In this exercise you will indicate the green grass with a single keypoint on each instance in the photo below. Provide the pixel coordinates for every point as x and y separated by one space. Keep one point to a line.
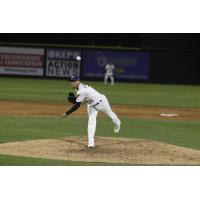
29 128
122 93
25 161
181 133
178 132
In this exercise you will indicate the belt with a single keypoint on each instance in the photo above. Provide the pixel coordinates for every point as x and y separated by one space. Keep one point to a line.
96 104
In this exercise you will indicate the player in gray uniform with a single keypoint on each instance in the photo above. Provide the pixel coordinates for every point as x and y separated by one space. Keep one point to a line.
95 102
109 73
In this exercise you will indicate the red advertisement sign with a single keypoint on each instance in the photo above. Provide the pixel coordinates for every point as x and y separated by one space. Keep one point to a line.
21 61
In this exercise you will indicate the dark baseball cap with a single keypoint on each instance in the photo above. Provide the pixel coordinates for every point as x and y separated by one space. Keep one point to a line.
74 78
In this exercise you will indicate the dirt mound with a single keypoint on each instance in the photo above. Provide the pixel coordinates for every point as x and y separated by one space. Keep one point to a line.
110 150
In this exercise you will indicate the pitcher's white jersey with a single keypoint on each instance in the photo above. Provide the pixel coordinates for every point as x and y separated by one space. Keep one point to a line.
88 94
109 69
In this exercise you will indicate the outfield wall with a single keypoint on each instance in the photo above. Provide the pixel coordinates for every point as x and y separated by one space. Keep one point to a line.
60 62
132 65
180 67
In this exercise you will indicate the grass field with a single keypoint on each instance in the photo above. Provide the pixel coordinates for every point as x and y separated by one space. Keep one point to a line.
122 93
183 133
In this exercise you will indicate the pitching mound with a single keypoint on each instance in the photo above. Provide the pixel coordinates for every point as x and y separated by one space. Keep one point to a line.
110 150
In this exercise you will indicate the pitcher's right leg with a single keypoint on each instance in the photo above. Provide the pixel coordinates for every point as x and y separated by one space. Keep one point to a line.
107 109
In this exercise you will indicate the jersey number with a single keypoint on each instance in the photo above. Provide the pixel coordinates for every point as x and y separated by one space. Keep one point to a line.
90 101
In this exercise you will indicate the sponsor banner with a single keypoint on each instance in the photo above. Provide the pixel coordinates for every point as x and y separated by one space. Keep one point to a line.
21 61
128 65
62 62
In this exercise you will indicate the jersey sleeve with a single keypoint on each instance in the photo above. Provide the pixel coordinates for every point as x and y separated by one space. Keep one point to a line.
80 96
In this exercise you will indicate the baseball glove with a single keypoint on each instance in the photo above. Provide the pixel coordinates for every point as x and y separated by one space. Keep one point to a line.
71 97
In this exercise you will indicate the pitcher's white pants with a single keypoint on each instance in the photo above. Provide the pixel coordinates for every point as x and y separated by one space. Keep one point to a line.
103 106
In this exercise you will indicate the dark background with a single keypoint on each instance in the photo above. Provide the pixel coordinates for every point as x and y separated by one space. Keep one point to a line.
175 58
171 41
130 40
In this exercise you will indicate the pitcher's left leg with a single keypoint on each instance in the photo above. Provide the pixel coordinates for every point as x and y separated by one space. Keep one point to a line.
92 115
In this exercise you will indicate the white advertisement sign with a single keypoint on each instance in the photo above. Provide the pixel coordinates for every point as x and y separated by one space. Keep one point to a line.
62 62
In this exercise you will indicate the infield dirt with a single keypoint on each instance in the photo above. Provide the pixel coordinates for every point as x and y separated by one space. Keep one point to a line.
14 108
108 150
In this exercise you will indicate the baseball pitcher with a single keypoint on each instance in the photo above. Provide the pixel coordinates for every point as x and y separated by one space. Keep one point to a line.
95 102
109 73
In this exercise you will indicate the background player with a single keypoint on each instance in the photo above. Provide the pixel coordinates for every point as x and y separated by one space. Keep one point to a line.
109 73
95 102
